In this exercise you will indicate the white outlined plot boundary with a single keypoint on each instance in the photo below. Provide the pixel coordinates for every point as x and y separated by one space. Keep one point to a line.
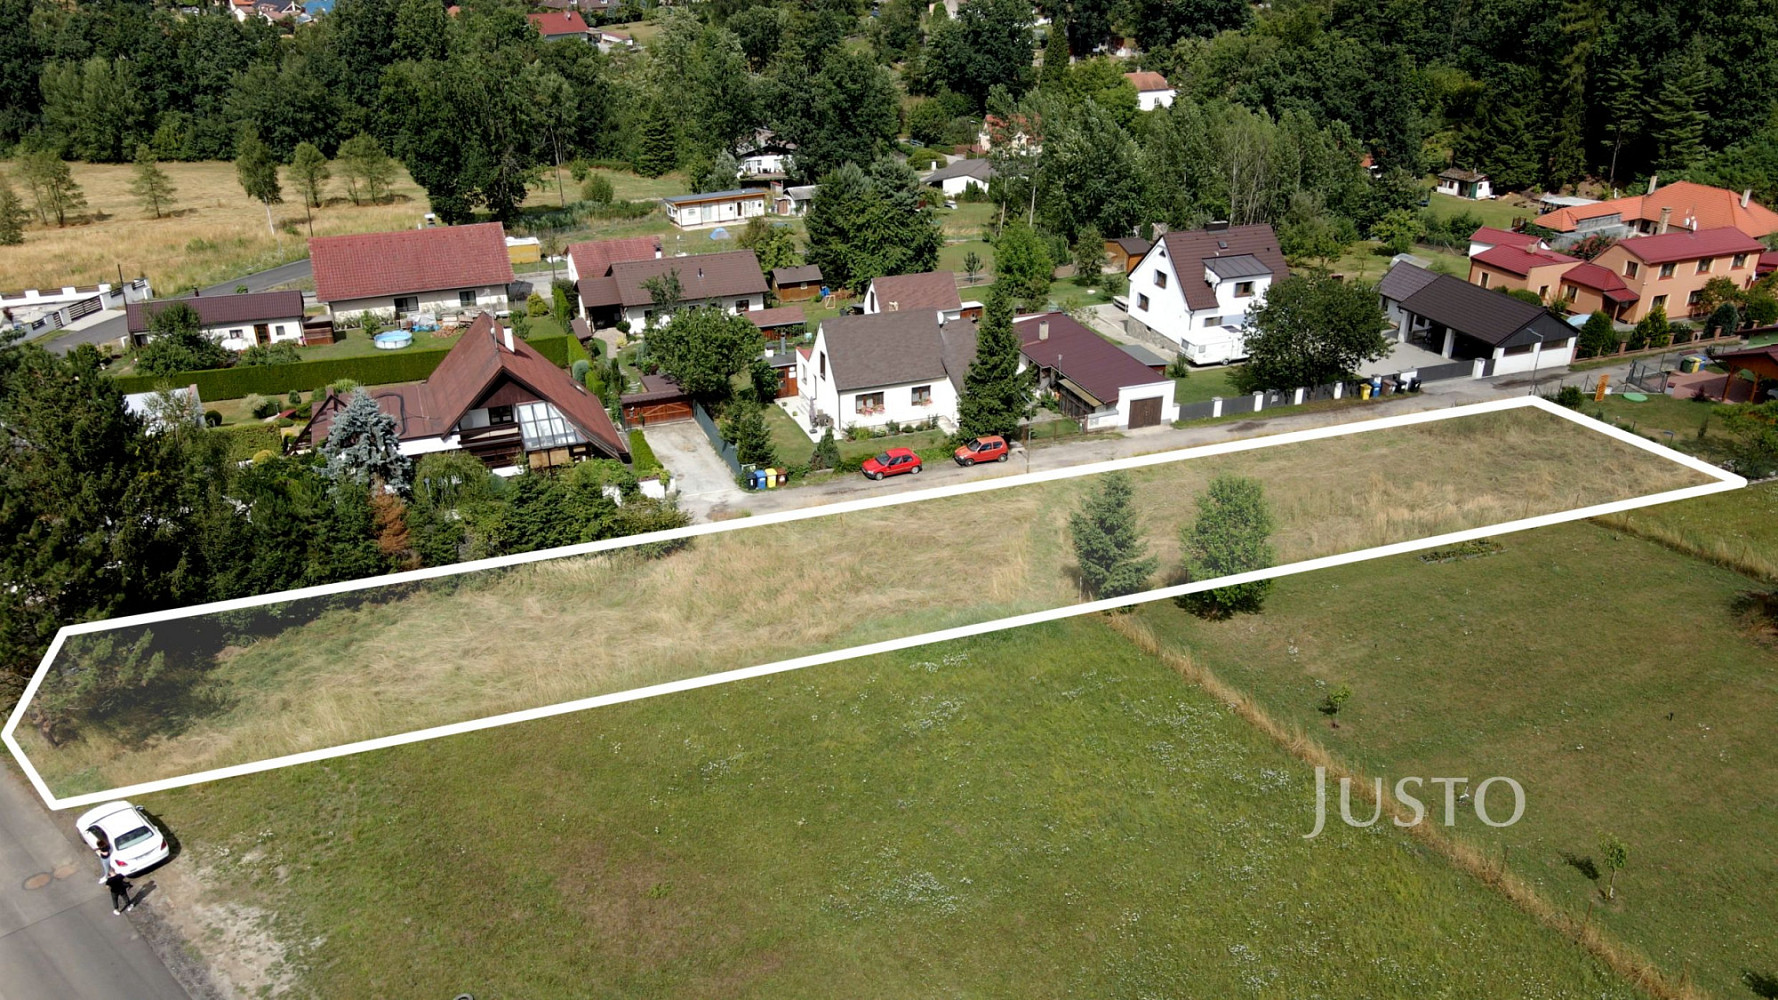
1721 481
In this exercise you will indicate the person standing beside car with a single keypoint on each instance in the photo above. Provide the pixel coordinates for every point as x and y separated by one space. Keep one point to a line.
120 894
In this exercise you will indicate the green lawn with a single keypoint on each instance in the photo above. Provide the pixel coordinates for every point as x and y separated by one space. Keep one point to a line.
1497 212
1040 813
1738 530
1362 262
1204 384
1614 678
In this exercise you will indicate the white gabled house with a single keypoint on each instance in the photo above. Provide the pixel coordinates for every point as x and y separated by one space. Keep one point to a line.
868 371
237 322
439 270
1194 289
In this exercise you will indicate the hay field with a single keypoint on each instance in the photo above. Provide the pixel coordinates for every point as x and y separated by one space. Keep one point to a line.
215 232
574 628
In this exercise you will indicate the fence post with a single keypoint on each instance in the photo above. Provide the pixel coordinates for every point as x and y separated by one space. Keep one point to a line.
1478 366
1259 401
1338 389
1216 406
1299 396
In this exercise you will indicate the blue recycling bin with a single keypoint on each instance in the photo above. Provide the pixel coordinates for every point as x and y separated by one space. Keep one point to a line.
758 477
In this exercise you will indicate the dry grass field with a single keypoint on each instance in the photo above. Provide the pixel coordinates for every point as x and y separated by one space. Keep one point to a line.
215 231
574 628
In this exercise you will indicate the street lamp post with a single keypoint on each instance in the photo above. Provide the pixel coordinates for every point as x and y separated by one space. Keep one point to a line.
1536 359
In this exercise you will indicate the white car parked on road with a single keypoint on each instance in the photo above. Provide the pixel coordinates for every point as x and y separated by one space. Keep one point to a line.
123 836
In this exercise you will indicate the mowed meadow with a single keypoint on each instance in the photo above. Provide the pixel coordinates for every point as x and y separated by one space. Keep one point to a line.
1045 812
1626 684
572 628
213 231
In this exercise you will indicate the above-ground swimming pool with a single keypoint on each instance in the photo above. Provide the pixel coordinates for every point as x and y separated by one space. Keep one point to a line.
393 340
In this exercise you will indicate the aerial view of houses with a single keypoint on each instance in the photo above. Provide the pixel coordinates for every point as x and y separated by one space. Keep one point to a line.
617 498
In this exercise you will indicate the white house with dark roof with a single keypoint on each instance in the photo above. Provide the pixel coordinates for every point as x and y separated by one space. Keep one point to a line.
959 176
730 281
1194 289
868 371
1096 382
237 322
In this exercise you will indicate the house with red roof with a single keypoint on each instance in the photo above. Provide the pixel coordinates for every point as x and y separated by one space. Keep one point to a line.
1589 288
1489 237
930 291
443 271
496 398
1670 270
1528 269
1152 90
556 25
1680 205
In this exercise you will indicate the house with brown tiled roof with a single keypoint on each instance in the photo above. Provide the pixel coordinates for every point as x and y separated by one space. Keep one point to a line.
932 291
1152 90
556 25
237 322
1095 381
1193 289
439 270
730 281
1680 205
593 259
1461 183
495 397
890 367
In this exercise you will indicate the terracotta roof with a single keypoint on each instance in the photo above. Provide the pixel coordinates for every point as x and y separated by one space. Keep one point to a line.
373 265
478 364
1768 262
927 290
1503 238
1520 262
1693 206
1082 356
701 276
1189 250
781 316
221 310
1491 317
1683 245
594 259
558 23
782 276
895 348
1146 80
1603 280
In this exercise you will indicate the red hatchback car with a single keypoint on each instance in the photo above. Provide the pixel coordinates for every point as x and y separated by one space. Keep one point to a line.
893 462
989 448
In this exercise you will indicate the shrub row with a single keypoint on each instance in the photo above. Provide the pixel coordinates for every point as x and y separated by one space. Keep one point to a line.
642 458
250 439
277 380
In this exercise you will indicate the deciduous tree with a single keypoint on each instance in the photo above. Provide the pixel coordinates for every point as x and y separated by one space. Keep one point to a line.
703 349
1312 330
12 215
1231 534
151 185
52 186
368 170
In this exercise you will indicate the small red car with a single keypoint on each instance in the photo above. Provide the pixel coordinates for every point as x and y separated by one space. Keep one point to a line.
990 448
893 462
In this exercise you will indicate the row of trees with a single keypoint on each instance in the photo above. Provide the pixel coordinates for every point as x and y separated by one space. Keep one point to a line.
1231 534
105 513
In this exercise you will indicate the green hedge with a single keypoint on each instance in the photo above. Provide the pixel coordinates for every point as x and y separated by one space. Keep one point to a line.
278 380
250 439
642 456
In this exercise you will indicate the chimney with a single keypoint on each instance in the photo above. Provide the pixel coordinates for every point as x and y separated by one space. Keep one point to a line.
1746 196
1654 181
1043 329
506 335
1666 214
1217 226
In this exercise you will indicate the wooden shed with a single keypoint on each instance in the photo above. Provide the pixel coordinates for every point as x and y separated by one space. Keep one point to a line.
660 401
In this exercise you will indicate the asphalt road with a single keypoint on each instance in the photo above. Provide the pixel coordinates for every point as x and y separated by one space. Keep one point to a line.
60 938
113 329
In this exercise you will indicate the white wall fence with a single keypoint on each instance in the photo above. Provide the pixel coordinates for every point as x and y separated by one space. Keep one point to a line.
56 308
1271 399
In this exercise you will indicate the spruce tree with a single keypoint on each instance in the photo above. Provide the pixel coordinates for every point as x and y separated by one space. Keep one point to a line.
363 445
1677 118
1108 544
1598 337
151 185
827 452
996 394
1232 534
745 428
12 215
657 143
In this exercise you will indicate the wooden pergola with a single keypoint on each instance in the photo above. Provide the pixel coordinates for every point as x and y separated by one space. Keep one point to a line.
1761 362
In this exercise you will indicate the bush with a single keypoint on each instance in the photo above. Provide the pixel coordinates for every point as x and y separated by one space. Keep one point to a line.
295 398
623 326
258 406
248 440
597 189
1569 396
580 369
270 354
642 458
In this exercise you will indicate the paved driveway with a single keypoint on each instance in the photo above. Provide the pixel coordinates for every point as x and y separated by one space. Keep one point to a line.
58 937
114 329
703 479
